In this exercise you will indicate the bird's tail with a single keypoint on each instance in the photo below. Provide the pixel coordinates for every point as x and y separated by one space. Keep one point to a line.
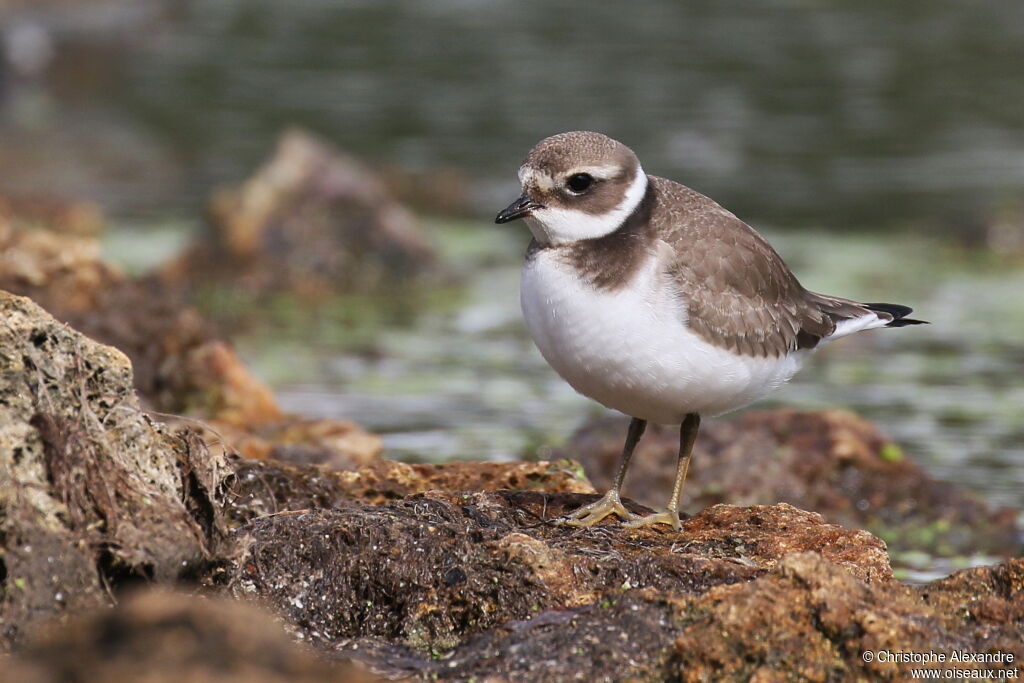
853 316
897 312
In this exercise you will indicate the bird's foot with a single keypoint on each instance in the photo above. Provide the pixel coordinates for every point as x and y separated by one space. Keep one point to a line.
591 514
670 517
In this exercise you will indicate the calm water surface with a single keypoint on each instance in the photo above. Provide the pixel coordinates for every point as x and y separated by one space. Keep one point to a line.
850 113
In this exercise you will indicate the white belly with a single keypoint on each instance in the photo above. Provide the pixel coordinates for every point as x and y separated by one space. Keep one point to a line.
631 350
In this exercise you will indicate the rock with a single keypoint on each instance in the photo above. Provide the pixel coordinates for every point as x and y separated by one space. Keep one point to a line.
340 444
181 365
60 264
1004 232
811 621
998 228
806 619
627 636
477 585
311 221
84 219
267 487
163 637
831 462
431 570
440 572
93 493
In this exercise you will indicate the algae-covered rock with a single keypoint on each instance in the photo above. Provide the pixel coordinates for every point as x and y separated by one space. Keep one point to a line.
163 637
807 619
432 569
832 462
92 493
481 585
263 487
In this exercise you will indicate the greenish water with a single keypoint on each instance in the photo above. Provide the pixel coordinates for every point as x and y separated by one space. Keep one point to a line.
850 113
461 378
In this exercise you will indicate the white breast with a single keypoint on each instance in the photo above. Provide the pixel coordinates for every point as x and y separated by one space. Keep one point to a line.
630 349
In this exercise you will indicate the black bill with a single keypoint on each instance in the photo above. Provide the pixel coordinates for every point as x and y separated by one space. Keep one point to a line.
517 209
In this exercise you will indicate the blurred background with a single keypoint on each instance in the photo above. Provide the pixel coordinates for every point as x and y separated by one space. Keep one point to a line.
880 146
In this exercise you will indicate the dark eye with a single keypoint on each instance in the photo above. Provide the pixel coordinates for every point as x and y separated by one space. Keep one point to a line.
580 182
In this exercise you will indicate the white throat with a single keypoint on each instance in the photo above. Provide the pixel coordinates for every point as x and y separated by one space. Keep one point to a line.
563 226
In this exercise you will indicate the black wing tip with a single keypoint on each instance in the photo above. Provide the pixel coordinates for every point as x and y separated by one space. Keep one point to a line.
899 314
903 322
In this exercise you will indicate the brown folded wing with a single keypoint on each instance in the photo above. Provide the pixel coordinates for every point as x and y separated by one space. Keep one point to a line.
740 295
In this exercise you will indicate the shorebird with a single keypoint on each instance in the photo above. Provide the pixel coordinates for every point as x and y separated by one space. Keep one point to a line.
653 300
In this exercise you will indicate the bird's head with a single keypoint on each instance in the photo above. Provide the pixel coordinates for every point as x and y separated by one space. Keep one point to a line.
577 186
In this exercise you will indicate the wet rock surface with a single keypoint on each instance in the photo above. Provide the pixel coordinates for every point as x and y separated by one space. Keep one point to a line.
806 619
475 585
832 462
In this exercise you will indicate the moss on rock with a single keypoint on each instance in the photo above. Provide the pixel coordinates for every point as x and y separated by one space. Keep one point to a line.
91 491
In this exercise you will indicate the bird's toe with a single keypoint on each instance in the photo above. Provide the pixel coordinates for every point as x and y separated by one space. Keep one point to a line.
591 514
670 517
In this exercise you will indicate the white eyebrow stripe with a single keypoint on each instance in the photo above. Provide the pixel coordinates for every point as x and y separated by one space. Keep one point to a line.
531 176
601 172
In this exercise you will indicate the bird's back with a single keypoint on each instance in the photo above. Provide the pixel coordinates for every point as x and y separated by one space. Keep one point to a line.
740 295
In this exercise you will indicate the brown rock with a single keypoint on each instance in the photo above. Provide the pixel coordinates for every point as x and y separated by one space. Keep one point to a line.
831 462
990 595
808 620
92 492
805 620
311 221
430 570
339 444
479 586
84 219
268 487
57 265
181 365
161 637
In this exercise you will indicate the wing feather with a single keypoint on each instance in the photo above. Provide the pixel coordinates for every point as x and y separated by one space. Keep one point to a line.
739 293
